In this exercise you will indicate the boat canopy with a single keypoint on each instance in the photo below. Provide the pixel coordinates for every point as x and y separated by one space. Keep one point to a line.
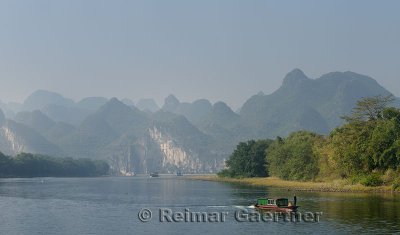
273 201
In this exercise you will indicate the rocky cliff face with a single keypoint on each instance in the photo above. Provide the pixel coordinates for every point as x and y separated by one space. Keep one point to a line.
135 156
10 142
16 138
174 156
159 151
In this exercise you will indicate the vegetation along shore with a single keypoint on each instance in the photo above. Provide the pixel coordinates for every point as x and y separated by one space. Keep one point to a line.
361 155
37 165
338 185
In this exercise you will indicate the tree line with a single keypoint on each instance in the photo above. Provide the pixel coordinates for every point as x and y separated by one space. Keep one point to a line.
36 165
366 149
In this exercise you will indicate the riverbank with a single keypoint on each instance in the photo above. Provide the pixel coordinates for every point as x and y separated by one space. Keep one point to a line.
333 186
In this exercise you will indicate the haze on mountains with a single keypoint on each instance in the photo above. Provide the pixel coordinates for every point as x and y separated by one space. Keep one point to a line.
187 137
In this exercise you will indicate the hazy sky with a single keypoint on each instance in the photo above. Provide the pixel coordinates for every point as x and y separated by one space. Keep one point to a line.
218 49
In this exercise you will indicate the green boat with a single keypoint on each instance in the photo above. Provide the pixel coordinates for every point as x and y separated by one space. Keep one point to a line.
281 204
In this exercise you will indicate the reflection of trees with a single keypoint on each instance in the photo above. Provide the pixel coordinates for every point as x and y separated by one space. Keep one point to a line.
366 210
362 209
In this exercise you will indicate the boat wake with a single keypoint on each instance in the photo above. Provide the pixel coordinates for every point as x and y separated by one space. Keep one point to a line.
234 206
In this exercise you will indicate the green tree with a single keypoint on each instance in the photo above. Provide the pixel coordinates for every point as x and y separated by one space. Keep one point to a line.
293 158
365 143
369 108
247 160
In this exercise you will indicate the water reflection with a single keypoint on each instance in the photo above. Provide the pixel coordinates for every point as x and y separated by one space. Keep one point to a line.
110 205
362 211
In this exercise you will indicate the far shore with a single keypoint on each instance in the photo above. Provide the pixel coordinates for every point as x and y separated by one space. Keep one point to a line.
333 186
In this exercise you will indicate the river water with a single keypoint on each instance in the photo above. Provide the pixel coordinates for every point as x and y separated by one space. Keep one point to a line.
110 205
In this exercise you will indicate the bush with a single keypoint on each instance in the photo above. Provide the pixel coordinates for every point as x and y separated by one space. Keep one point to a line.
353 180
224 173
389 176
396 184
372 180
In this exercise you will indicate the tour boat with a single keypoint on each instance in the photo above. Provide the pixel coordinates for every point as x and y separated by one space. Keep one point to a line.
154 174
281 204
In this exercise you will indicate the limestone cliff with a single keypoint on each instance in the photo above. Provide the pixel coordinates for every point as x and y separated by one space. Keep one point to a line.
16 138
159 151
176 156
10 143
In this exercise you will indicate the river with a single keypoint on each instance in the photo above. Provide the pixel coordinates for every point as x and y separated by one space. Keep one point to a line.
110 205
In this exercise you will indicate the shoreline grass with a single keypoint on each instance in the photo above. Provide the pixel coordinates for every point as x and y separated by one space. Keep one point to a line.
332 186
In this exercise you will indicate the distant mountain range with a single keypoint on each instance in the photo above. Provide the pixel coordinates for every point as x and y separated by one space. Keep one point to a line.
188 137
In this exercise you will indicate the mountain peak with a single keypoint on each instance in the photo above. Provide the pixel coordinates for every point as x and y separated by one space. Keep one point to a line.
347 76
294 76
112 106
118 116
113 103
41 98
171 103
114 100
221 105
204 102
219 115
222 109
171 99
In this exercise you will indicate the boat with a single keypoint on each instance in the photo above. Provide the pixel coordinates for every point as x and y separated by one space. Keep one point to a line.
154 174
130 174
179 173
280 204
